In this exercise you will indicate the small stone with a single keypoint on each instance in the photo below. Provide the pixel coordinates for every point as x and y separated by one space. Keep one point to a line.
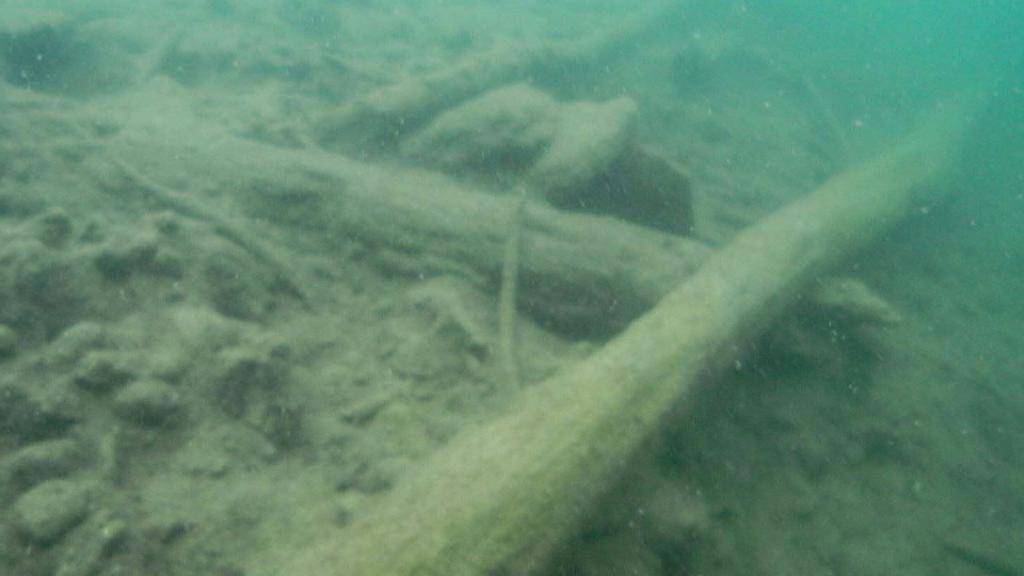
503 130
93 232
8 341
348 506
101 371
85 551
117 263
36 414
45 513
283 425
589 139
74 342
622 553
852 300
113 264
42 461
167 264
44 280
53 228
230 278
166 223
148 402
381 475
247 372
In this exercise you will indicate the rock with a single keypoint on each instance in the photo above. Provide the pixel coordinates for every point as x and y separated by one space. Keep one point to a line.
117 263
675 519
148 402
36 414
381 475
53 228
693 68
282 424
222 447
589 138
169 362
232 285
42 461
50 290
504 130
61 55
26 18
167 263
639 186
206 54
8 341
855 302
594 165
579 156
251 385
247 376
349 504
74 342
101 371
668 516
366 407
166 223
45 513
437 336
85 551
623 554
841 321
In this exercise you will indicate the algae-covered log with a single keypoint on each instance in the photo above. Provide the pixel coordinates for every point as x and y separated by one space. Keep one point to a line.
578 272
506 491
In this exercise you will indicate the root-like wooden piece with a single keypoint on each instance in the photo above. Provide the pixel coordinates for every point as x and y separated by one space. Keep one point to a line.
508 295
160 196
508 489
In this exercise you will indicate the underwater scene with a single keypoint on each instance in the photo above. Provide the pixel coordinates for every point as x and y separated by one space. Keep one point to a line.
511 288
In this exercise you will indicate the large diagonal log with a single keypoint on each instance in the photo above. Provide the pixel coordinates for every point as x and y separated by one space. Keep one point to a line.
506 490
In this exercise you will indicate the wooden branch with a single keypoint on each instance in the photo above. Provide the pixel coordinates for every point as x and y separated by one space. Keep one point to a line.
377 120
508 296
579 273
507 490
157 195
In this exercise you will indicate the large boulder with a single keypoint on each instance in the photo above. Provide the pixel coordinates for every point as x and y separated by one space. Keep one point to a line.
505 130
579 156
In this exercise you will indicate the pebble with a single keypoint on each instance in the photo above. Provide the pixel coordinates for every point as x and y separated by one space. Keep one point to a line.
76 341
8 341
101 371
34 414
348 506
85 551
54 228
117 263
42 461
148 402
169 264
45 513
